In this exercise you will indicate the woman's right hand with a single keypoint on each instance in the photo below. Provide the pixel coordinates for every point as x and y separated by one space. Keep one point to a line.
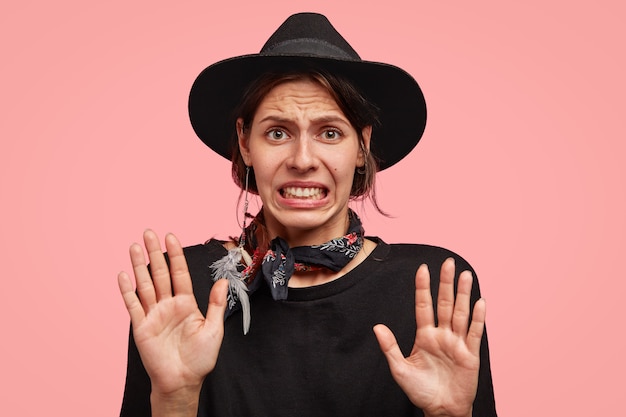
177 344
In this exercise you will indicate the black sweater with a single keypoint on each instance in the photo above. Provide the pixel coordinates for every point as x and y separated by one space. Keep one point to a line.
315 354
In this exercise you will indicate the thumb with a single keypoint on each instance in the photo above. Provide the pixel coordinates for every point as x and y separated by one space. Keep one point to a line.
389 346
217 305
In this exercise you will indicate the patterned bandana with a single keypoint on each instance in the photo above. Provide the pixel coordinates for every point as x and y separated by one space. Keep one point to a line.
278 264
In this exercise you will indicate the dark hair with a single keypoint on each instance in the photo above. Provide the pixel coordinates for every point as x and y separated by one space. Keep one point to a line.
358 110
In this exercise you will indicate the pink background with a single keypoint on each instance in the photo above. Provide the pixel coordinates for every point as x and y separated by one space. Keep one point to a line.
521 171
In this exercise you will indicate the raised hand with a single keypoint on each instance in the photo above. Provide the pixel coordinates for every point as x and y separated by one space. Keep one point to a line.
440 376
177 345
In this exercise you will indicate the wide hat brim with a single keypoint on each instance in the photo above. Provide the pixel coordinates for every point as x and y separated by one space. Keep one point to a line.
218 90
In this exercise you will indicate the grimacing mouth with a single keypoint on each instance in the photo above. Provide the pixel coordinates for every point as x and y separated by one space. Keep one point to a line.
314 193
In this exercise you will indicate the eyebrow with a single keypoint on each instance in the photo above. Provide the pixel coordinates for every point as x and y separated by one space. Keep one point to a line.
316 120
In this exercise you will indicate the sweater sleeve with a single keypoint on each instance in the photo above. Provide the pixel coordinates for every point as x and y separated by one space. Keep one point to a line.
136 400
484 403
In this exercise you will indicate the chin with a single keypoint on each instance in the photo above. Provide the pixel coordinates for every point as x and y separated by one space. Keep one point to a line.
320 224
302 219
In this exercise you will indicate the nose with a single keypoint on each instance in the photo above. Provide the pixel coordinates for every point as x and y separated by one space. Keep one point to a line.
303 157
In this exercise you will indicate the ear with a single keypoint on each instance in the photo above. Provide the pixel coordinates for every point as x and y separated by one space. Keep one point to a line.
366 133
243 142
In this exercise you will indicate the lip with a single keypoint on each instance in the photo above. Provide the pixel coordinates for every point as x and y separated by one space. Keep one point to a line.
301 202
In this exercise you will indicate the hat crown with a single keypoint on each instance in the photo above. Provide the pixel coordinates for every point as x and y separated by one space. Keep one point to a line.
309 34
309 41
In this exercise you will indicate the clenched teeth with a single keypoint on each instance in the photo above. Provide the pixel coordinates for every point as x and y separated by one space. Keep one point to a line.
299 192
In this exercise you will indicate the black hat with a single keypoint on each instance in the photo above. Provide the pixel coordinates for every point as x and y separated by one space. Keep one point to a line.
310 39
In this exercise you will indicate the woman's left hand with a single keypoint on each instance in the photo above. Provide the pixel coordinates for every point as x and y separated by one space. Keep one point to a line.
440 376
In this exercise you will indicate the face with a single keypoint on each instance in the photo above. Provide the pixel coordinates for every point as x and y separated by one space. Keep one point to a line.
304 152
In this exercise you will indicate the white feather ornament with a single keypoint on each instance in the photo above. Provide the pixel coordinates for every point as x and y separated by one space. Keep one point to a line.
229 268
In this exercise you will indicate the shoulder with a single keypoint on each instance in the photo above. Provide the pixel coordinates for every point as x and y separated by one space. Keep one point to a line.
406 257
428 254
201 253
199 259
417 254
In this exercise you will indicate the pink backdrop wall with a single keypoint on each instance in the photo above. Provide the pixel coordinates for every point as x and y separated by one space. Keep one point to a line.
521 171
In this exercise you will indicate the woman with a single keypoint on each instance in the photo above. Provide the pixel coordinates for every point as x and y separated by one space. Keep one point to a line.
313 125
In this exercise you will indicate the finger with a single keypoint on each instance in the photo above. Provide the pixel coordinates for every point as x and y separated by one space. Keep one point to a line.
445 299
158 267
133 305
181 280
477 327
460 317
424 315
389 347
145 287
217 305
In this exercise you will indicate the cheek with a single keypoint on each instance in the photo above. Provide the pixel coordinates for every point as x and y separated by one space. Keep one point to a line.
344 163
264 173
343 173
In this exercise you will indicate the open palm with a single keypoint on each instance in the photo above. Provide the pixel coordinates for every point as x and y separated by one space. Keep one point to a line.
178 346
440 375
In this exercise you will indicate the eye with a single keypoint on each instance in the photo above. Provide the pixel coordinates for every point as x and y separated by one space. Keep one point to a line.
276 134
331 134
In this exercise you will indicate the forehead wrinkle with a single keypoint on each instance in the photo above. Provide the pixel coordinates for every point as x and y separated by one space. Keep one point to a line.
313 115
292 102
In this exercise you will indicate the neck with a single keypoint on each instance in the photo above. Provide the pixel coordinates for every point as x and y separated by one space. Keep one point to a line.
295 236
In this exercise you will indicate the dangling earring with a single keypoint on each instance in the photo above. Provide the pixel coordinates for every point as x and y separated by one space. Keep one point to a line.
242 239
361 170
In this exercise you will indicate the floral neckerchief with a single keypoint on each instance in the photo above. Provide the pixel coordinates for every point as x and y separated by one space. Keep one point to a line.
279 262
